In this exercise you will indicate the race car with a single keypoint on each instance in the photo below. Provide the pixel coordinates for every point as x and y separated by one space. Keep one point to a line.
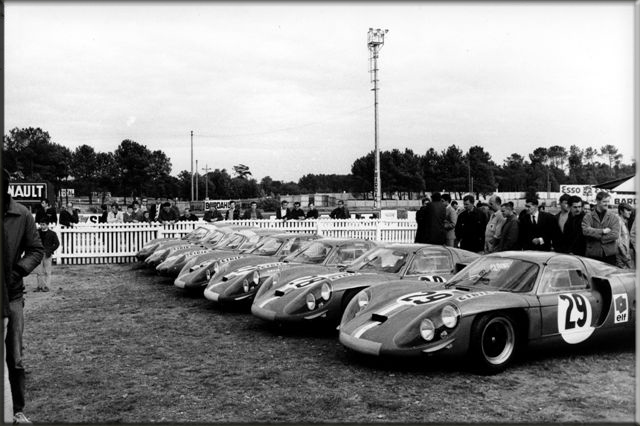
493 308
271 249
201 233
319 256
243 241
324 296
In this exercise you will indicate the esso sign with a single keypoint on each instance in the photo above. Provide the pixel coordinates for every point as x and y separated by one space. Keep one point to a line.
586 192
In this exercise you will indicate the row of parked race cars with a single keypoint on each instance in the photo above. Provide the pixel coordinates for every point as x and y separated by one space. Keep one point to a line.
392 299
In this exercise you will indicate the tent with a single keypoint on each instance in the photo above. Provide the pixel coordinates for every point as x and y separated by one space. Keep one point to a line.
625 185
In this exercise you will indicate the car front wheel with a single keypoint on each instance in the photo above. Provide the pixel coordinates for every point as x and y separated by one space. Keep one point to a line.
493 343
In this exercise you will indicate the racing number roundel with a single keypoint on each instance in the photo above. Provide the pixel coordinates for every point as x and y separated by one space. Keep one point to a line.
574 318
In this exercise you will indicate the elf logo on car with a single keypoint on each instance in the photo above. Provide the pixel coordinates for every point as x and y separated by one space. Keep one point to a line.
621 308
229 259
424 297
473 295
574 318
337 276
255 267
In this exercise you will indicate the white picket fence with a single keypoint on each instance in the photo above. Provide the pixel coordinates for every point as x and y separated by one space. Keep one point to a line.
88 243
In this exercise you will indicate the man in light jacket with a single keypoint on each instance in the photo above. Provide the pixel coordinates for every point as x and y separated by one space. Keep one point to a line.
601 229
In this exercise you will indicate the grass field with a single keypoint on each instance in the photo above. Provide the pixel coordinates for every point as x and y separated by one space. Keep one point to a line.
112 343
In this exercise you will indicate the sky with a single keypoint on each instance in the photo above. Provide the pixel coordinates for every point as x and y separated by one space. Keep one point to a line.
285 88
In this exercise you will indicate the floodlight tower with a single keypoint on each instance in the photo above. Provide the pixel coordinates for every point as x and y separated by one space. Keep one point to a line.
375 41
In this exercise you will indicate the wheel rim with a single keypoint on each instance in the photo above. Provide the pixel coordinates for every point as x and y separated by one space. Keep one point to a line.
498 340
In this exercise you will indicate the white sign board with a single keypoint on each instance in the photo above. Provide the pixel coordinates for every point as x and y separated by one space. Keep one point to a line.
586 192
388 214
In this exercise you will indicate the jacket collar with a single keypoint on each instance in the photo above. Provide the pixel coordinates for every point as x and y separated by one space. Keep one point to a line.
10 205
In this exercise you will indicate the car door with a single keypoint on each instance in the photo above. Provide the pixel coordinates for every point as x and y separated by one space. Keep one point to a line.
569 307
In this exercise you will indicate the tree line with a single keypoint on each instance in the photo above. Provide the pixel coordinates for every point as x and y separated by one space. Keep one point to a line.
134 170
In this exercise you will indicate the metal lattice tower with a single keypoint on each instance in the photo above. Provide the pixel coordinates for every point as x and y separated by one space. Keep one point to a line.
375 41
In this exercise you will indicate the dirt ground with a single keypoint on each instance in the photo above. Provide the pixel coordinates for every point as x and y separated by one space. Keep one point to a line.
113 343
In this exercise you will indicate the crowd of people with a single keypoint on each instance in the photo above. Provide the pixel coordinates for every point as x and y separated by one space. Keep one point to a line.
578 228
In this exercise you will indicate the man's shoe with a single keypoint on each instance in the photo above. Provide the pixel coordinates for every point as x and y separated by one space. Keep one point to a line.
19 417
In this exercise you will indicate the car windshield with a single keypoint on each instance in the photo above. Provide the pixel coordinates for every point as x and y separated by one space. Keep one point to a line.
233 242
315 252
347 253
267 247
197 233
381 259
497 273
214 237
250 242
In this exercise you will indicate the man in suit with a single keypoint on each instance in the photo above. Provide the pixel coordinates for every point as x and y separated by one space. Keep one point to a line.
562 217
284 212
233 213
538 230
510 229
432 221
471 226
572 234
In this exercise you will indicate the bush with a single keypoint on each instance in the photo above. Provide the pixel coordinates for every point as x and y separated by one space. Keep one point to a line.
268 204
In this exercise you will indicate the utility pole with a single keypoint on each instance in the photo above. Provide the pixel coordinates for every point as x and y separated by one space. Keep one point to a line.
197 180
206 181
192 165
375 41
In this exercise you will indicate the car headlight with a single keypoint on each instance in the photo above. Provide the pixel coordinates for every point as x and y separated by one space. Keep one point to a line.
427 329
311 301
362 299
256 277
450 315
245 285
325 291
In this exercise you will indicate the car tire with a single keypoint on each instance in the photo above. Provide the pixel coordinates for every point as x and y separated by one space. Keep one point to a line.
494 340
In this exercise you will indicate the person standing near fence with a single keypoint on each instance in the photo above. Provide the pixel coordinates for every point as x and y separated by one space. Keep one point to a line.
601 230
284 212
450 220
340 212
623 256
114 216
432 220
312 212
297 213
21 254
421 232
212 215
509 239
233 213
69 216
253 212
493 230
572 234
46 213
539 230
188 216
154 210
51 243
167 215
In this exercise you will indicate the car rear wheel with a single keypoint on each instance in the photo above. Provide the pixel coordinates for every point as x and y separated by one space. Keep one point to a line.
493 343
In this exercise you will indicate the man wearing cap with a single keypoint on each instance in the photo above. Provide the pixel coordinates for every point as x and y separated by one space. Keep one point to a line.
51 243
22 253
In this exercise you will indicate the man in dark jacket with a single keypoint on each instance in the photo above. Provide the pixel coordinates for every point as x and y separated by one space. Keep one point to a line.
212 215
46 213
252 212
284 212
22 253
233 213
421 232
188 216
340 212
51 243
538 230
471 226
572 234
167 215
433 221
312 213
510 229
69 216
297 212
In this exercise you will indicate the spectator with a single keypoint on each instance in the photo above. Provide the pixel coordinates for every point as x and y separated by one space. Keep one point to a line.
632 240
253 212
22 253
471 226
623 255
450 221
188 216
50 242
484 208
562 216
455 206
492 233
538 229
46 213
105 214
421 231
542 207
433 217
601 229
297 213
167 215
69 216
146 217
144 207
212 215
115 215
232 213
340 212
128 216
154 210
509 239
174 207
312 213
284 212
137 212
572 235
